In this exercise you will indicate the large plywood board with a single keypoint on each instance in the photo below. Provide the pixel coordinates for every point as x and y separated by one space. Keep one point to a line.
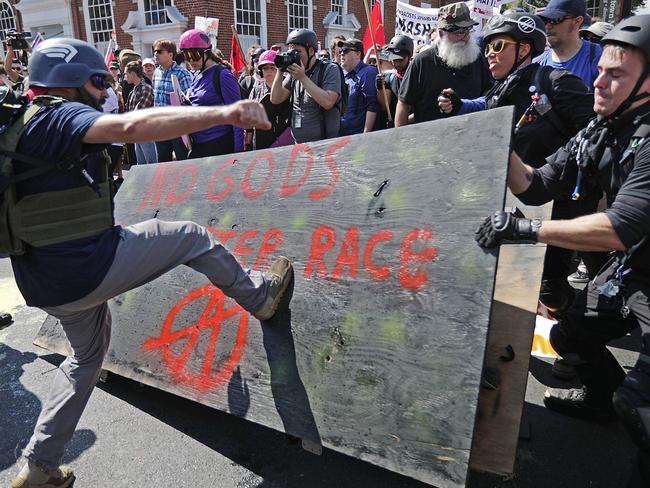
381 353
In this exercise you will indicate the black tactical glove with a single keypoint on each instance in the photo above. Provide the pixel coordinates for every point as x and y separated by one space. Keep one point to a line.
507 227
381 83
452 96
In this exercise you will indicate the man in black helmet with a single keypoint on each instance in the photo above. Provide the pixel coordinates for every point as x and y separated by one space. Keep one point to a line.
313 88
400 53
74 264
551 106
614 152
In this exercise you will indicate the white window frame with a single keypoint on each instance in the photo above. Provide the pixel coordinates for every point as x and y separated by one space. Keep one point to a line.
310 16
160 10
344 10
4 6
246 39
89 32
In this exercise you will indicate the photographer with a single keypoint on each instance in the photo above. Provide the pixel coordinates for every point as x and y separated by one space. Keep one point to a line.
15 76
313 88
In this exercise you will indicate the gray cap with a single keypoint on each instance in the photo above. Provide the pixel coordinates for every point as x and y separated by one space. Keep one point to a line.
455 16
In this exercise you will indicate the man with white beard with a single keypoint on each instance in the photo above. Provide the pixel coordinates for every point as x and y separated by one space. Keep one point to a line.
454 61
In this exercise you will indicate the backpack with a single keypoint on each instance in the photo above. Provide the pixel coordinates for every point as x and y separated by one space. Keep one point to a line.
345 91
48 217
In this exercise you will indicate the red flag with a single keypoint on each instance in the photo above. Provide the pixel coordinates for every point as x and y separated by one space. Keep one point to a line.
110 54
377 26
236 56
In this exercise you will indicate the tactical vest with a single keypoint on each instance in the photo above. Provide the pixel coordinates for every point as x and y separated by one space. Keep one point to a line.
49 217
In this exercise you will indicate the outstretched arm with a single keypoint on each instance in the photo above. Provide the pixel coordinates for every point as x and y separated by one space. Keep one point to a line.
163 123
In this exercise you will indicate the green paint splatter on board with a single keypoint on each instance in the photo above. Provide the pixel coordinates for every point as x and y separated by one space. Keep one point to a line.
186 213
352 323
394 199
393 329
298 222
226 219
358 158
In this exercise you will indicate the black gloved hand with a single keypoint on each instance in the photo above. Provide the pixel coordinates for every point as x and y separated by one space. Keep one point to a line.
507 226
452 96
381 83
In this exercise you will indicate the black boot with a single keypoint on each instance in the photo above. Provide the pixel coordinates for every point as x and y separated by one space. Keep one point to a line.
576 402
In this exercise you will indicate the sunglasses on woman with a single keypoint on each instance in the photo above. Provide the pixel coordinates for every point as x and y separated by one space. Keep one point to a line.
497 46
100 82
193 55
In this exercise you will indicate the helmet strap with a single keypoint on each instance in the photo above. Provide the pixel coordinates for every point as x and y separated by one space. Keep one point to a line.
87 99
635 96
518 61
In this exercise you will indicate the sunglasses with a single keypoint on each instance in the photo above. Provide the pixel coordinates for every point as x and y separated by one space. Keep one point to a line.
159 51
193 55
497 46
347 50
458 30
557 21
100 82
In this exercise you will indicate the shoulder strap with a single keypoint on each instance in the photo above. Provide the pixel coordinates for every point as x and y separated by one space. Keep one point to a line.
216 81
544 87
9 142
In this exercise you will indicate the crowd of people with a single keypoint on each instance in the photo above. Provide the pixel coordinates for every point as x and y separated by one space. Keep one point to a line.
581 96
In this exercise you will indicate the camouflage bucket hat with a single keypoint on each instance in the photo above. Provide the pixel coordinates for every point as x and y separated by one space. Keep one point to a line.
455 16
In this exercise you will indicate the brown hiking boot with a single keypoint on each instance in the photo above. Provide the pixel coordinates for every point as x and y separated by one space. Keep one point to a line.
59 478
279 276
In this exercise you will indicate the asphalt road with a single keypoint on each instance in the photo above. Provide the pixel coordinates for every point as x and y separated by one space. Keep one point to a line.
132 435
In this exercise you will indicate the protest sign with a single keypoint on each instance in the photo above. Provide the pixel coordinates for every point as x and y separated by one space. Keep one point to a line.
208 25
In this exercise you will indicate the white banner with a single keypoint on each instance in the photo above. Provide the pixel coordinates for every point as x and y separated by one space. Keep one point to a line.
417 22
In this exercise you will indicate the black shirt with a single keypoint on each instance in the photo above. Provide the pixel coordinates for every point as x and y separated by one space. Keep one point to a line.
623 174
428 75
394 82
570 99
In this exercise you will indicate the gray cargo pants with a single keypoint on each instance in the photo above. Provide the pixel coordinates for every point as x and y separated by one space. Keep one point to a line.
145 251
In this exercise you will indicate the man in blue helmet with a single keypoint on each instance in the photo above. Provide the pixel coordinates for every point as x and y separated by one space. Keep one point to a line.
613 152
54 172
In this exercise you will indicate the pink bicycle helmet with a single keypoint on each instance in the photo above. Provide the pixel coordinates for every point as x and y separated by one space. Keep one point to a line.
194 39
267 57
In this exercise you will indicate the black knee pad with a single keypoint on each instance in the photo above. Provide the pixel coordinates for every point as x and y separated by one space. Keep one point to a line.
560 340
632 404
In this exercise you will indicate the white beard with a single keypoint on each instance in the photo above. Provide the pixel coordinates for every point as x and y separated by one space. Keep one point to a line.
457 55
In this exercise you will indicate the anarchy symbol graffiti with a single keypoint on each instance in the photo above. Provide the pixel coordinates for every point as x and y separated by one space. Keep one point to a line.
213 316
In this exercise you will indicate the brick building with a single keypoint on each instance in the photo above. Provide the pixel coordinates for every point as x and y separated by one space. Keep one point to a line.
138 23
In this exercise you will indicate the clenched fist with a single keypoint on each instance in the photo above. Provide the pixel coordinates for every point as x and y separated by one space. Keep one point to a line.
247 114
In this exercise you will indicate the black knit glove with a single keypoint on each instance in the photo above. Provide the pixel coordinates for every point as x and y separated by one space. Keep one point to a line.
381 83
507 227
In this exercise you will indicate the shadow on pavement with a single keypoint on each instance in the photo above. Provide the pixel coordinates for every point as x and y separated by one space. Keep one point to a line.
563 452
20 408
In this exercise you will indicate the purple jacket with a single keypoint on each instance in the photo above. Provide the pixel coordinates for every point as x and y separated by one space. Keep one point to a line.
202 93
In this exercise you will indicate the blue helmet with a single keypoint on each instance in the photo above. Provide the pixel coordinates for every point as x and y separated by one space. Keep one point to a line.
65 63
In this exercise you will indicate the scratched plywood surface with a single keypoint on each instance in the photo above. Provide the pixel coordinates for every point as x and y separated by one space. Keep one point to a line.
512 323
380 355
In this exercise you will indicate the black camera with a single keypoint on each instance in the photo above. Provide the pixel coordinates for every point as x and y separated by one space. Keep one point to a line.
284 60
18 40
